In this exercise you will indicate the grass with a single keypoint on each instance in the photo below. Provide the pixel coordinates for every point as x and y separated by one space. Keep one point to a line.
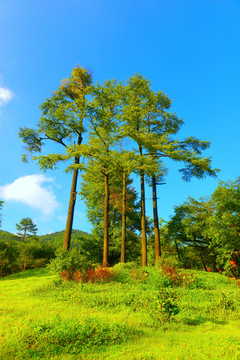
45 318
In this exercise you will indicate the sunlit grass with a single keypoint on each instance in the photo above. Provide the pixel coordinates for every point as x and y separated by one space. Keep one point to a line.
42 318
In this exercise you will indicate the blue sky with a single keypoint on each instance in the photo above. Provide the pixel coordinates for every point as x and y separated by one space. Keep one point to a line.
188 49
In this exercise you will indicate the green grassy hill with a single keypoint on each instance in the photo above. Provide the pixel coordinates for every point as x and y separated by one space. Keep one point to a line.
43 317
58 236
53 237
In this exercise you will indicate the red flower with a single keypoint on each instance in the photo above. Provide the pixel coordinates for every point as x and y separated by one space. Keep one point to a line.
233 263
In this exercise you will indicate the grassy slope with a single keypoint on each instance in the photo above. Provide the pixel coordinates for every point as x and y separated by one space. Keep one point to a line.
42 319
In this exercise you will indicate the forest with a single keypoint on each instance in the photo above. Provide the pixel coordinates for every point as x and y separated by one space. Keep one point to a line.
134 278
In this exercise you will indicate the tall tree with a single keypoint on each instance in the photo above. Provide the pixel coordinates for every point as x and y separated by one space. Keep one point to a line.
26 228
92 191
151 125
126 163
63 121
135 114
103 137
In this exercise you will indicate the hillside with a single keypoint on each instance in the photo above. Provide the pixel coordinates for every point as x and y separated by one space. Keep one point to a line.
56 237
121 319
5 235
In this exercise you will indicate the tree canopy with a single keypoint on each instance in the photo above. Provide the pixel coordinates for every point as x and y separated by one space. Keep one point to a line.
63 121
211 226
128 129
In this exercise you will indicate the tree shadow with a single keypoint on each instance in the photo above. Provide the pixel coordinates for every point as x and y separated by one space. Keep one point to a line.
28 274
199 320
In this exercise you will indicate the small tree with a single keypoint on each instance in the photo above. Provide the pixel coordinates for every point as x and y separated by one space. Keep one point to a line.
26 228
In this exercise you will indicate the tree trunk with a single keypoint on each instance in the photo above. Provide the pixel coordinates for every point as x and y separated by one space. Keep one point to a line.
143 217
155 218
106 210
24 235
123 245
202 258
214 260
73 194
177 251
143 222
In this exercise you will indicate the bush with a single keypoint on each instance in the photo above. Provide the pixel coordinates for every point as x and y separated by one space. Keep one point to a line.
39 263
163 306
68 260
122 271
99 274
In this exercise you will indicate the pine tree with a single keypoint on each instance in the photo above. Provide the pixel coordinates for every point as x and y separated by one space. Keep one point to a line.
26 228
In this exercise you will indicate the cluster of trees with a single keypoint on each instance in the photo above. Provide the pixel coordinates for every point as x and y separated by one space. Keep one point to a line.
109 131
202 234
24 250
206 232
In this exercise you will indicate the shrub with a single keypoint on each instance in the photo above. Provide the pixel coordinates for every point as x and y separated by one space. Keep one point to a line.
123 271
175 275
141 275
39 263
68 260
163 306
98 274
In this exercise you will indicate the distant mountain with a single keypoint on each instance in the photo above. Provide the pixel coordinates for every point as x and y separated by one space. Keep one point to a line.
56 237
61 233
5 235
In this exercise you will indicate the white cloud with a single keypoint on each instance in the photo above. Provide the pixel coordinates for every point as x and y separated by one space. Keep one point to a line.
6 95
29 191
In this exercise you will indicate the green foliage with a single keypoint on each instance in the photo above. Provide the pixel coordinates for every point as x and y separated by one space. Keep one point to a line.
151 125
18 256
26 228
208 230
34 254
163 306
118 320
62 118
62 122
116 117
71 260
59 336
